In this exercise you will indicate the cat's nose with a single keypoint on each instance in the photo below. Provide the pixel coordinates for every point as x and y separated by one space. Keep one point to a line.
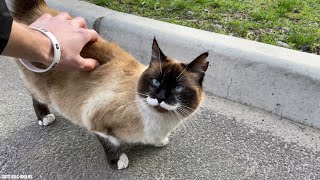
161 96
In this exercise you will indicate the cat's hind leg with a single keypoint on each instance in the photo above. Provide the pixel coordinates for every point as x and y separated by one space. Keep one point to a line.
45 118
113 151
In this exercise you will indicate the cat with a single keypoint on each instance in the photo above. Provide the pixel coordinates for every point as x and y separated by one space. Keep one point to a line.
122 101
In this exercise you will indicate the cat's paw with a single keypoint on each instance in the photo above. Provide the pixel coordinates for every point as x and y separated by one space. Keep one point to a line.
162 143
123 161
47 120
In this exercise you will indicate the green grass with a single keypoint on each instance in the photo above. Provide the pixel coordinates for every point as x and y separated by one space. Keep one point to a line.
295 22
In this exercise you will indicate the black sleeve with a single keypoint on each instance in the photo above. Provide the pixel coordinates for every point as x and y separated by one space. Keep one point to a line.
5 25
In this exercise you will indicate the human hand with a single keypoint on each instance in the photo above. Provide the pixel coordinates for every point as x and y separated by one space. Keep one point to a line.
72 35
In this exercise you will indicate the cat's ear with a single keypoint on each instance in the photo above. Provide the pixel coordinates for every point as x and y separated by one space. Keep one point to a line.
157 55
200 64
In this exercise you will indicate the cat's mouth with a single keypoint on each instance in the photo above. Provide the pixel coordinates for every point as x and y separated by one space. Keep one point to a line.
162 106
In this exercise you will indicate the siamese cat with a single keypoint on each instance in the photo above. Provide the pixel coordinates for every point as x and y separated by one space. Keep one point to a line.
122 101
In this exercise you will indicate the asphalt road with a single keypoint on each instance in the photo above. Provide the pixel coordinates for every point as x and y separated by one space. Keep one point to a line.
224 140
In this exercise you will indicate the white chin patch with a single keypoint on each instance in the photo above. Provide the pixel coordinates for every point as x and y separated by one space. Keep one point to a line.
152 102
168 107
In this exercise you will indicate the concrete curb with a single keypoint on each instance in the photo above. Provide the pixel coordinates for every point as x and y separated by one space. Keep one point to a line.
278 80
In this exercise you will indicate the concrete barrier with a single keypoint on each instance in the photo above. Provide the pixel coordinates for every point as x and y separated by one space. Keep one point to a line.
281 81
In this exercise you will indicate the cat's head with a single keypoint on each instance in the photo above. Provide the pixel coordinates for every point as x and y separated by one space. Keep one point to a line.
170 85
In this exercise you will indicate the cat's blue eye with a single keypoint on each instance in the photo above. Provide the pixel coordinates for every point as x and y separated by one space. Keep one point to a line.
179 89
155 82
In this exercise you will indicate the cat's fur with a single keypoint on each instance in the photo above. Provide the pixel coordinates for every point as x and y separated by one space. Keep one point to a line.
120 101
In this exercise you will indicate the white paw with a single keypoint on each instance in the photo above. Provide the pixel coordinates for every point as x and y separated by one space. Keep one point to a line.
47 120
162 143
123 161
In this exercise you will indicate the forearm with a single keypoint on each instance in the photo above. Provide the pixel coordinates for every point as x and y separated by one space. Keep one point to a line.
28 44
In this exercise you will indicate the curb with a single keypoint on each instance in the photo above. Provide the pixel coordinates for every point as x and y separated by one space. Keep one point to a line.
278 80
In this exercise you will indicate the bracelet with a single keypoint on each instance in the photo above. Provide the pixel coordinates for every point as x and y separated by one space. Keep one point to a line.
56 53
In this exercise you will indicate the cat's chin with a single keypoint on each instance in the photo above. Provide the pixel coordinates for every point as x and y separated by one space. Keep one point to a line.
160 109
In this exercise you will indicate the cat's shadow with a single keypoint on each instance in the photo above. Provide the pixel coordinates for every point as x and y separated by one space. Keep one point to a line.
64 144
137 151
133 151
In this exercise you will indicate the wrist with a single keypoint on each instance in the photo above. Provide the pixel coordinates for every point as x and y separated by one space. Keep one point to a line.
56 53
29 44
45 49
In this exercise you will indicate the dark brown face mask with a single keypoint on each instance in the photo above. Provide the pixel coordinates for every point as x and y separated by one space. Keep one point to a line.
173 83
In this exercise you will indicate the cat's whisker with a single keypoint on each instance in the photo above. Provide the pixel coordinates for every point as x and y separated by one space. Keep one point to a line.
186 112
184 106
178 77
187 107
181 112
178 115
181 77
174 115
143 94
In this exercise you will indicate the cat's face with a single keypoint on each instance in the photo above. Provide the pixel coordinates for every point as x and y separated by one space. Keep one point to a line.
169 85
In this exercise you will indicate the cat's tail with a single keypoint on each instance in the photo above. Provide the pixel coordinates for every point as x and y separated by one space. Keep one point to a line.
27 11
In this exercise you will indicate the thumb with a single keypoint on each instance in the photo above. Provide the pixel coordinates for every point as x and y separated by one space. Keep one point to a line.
88 64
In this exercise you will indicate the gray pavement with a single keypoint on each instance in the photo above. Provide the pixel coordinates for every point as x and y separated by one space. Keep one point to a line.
225 140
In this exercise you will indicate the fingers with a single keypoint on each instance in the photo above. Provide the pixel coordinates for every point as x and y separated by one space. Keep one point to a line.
88 64
79 22
90 35
64 15
93 35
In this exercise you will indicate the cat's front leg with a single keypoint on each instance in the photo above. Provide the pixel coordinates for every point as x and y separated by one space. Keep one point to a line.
162 143
113 151
45 118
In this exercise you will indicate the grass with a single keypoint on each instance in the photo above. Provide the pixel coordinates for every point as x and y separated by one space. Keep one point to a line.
295 22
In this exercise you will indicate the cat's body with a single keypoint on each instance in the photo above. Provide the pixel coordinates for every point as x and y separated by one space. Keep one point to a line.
120 101
102 100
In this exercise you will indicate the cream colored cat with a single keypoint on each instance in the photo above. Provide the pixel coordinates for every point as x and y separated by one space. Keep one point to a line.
120 101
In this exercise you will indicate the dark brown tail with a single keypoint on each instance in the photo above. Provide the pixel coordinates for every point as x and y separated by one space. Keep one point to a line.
27 11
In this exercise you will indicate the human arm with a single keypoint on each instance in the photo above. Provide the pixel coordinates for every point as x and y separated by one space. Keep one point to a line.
72 34
32 45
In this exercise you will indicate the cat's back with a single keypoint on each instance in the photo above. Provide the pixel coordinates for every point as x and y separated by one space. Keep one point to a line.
71 92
